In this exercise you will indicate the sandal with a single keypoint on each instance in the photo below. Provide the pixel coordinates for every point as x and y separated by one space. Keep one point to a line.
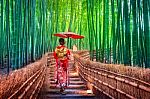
62 91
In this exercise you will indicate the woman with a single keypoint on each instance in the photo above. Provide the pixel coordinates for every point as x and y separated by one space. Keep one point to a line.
61 54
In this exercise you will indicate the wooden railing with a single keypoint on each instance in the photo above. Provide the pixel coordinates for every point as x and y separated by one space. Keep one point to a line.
115 81
24 83
84 54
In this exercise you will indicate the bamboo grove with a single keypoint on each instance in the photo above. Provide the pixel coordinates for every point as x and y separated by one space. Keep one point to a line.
117 30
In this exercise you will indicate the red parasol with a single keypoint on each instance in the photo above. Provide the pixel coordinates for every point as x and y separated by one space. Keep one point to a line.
60 35
69 35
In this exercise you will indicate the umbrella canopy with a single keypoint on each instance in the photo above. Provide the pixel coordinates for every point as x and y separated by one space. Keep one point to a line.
69 35
60 35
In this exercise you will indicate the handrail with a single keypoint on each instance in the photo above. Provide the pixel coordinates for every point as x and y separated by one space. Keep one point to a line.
24 82
110 83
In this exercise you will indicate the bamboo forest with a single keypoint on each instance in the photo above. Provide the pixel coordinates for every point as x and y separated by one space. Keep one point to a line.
115 31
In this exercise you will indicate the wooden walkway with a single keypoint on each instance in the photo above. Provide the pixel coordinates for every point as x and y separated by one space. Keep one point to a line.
77 89
108 81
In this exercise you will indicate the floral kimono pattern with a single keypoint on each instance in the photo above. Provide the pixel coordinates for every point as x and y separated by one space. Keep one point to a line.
61 55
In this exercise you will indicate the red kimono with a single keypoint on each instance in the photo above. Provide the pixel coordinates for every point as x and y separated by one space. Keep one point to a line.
61 54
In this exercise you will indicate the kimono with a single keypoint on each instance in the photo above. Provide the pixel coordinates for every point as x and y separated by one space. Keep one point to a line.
61 54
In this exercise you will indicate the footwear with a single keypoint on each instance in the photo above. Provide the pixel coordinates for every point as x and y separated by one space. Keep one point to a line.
62 91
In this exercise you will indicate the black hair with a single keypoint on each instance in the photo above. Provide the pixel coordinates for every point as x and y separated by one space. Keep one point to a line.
61 40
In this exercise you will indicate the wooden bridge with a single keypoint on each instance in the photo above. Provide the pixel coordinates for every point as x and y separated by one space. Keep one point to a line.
88 80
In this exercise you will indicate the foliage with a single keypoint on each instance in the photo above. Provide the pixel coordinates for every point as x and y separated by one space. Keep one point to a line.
118 30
